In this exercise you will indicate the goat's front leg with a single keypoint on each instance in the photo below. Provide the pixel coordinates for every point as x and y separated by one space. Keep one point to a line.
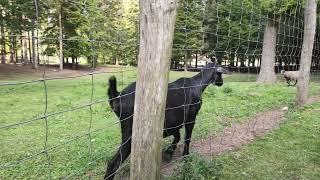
188 128
121 155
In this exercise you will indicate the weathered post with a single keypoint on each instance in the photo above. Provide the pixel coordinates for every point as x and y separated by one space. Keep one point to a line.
157 20
310 17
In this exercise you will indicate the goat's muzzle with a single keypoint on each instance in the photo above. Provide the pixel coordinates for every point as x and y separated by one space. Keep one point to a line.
218 83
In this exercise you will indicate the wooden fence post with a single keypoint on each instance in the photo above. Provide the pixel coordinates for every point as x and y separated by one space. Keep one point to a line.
310 18
157 20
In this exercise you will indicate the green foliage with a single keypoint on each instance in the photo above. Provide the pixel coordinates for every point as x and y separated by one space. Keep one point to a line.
188 37
290 152
100 30
276 7
233 29
227 90
106 31
195 167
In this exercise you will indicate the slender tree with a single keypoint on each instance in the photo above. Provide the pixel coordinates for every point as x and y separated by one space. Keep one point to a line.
25 48
12 50
3 40
310 15
34 47
60 39
29 47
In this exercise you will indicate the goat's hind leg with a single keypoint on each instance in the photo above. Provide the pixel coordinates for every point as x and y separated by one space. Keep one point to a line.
170 150
288 82
188 128
121 155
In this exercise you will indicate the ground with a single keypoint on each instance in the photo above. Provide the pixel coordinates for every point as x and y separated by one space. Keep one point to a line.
236 135
77 138
21 72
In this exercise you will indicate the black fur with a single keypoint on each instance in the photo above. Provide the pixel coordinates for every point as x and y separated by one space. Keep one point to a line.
182 107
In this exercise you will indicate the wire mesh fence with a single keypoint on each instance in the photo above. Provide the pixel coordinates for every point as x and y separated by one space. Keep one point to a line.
56 125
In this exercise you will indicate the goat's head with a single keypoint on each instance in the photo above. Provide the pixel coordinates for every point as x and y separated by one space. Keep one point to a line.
215 72
218 81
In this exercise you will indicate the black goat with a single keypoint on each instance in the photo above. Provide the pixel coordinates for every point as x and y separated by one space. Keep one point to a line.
183 104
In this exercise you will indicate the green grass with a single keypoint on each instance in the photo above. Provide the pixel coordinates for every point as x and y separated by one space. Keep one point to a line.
196 166
70 151
290 152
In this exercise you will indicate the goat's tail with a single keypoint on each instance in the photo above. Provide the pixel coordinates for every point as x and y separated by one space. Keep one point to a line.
112 91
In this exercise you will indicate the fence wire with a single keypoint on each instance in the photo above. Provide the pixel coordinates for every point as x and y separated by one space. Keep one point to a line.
61 139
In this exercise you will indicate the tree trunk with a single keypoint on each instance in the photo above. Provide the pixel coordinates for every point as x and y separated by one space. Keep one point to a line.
15 51
267 74
60 40
117 60
252 62
259 63
242 62
231 60
237 60
196 60
310 17
12 53
157 19
185 66
34 49
21 48
25 49
29 42
73 63
37 42
3 40
187 59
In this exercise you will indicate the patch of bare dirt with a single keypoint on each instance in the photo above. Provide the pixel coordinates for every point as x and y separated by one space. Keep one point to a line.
234 137
313 99
21 72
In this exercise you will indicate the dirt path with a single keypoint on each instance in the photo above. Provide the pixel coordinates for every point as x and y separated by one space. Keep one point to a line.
235 136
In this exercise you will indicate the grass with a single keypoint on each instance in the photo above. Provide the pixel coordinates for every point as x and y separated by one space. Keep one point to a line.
60 146
195 166
290 152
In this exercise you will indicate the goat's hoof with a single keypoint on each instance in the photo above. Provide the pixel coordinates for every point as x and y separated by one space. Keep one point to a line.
167 157
170 150
185 154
